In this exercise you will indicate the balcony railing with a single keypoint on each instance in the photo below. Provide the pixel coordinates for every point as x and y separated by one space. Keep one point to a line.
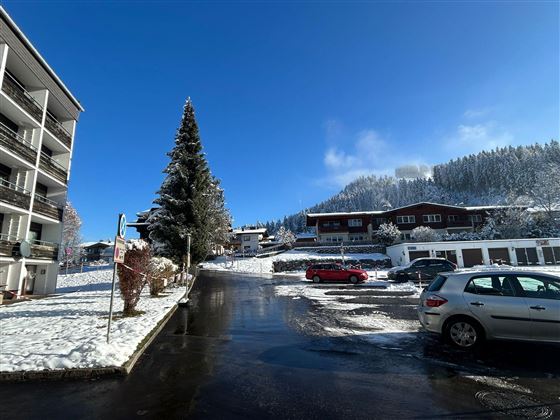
58 130
7 244
17 144
18 93
16 196
44 250
52 167
46 207
332 229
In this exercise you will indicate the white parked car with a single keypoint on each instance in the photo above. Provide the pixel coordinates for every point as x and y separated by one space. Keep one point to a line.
471 306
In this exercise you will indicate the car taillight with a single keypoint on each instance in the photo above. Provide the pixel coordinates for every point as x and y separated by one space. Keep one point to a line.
434 301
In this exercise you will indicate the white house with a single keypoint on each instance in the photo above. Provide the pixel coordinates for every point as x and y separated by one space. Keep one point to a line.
248 240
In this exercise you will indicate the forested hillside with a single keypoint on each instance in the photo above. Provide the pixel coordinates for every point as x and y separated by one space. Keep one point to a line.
488 177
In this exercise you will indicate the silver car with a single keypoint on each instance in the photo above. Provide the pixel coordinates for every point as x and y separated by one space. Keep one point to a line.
468 307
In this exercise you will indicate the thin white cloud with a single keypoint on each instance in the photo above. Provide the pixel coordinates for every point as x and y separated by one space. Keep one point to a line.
478 137
369 154
477 113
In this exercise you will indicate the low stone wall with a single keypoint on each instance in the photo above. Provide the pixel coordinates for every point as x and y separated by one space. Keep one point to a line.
302 264
349 249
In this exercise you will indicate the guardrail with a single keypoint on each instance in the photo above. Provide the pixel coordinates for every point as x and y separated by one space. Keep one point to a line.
17 144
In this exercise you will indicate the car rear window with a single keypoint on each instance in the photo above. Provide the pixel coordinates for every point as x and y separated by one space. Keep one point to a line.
436 285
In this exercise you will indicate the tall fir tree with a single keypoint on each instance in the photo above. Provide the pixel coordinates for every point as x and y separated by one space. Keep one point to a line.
183 196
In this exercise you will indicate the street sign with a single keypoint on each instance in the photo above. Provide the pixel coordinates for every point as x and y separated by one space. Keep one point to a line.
122 225
120 249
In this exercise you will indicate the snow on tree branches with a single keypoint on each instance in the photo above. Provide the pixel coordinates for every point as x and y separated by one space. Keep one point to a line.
388 233
425 234
190 199
70 249
285 236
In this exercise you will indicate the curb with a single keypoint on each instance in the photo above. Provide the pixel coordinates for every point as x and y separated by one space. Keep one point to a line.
90 373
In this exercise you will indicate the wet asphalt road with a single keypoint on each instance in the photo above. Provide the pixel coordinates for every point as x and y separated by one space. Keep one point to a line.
240 351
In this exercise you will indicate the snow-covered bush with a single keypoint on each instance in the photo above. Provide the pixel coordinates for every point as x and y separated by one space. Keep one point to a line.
388 233
425 234
161 268
461 236
134 273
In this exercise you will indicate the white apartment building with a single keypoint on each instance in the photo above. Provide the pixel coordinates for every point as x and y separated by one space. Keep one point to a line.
38 117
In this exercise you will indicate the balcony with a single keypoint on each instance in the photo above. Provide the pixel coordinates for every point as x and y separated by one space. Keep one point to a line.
58 130
52 167
20 96
44 250
7 244
17 144
16 196
46 207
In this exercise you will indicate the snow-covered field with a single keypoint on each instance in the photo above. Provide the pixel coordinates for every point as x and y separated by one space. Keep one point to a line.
69 330
264 265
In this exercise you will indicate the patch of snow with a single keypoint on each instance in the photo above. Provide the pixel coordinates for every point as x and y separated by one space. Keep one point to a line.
69 330
498 382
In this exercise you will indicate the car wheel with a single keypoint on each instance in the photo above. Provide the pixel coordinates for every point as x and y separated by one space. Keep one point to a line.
353 279
464 333
316 279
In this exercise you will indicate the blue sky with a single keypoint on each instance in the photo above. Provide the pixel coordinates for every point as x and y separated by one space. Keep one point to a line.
293 99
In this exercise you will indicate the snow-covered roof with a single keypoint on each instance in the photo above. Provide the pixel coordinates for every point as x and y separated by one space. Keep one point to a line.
475 208
345 213
249 231
90 244
39 57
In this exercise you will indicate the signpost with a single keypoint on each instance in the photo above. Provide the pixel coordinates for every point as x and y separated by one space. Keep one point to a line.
118 258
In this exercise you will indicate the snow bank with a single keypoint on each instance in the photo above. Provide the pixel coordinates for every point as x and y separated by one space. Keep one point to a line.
264 265
68 330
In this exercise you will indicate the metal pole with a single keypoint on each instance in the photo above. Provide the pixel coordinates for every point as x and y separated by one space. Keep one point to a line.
111 304
188 262
113 284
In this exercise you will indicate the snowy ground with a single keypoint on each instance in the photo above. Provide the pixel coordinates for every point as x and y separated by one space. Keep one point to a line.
358 310
264 265
68 330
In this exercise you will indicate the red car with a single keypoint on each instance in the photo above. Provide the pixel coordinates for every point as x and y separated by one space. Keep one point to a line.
335 272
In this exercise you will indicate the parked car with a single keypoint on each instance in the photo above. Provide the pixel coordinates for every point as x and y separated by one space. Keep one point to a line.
335 272
421 269
469 307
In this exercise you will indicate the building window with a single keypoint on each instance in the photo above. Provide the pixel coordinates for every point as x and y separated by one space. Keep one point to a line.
406 219
247 238
333 239
380 220
356 238
405 236
355 222
452 218
477 218
431 218
331 224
